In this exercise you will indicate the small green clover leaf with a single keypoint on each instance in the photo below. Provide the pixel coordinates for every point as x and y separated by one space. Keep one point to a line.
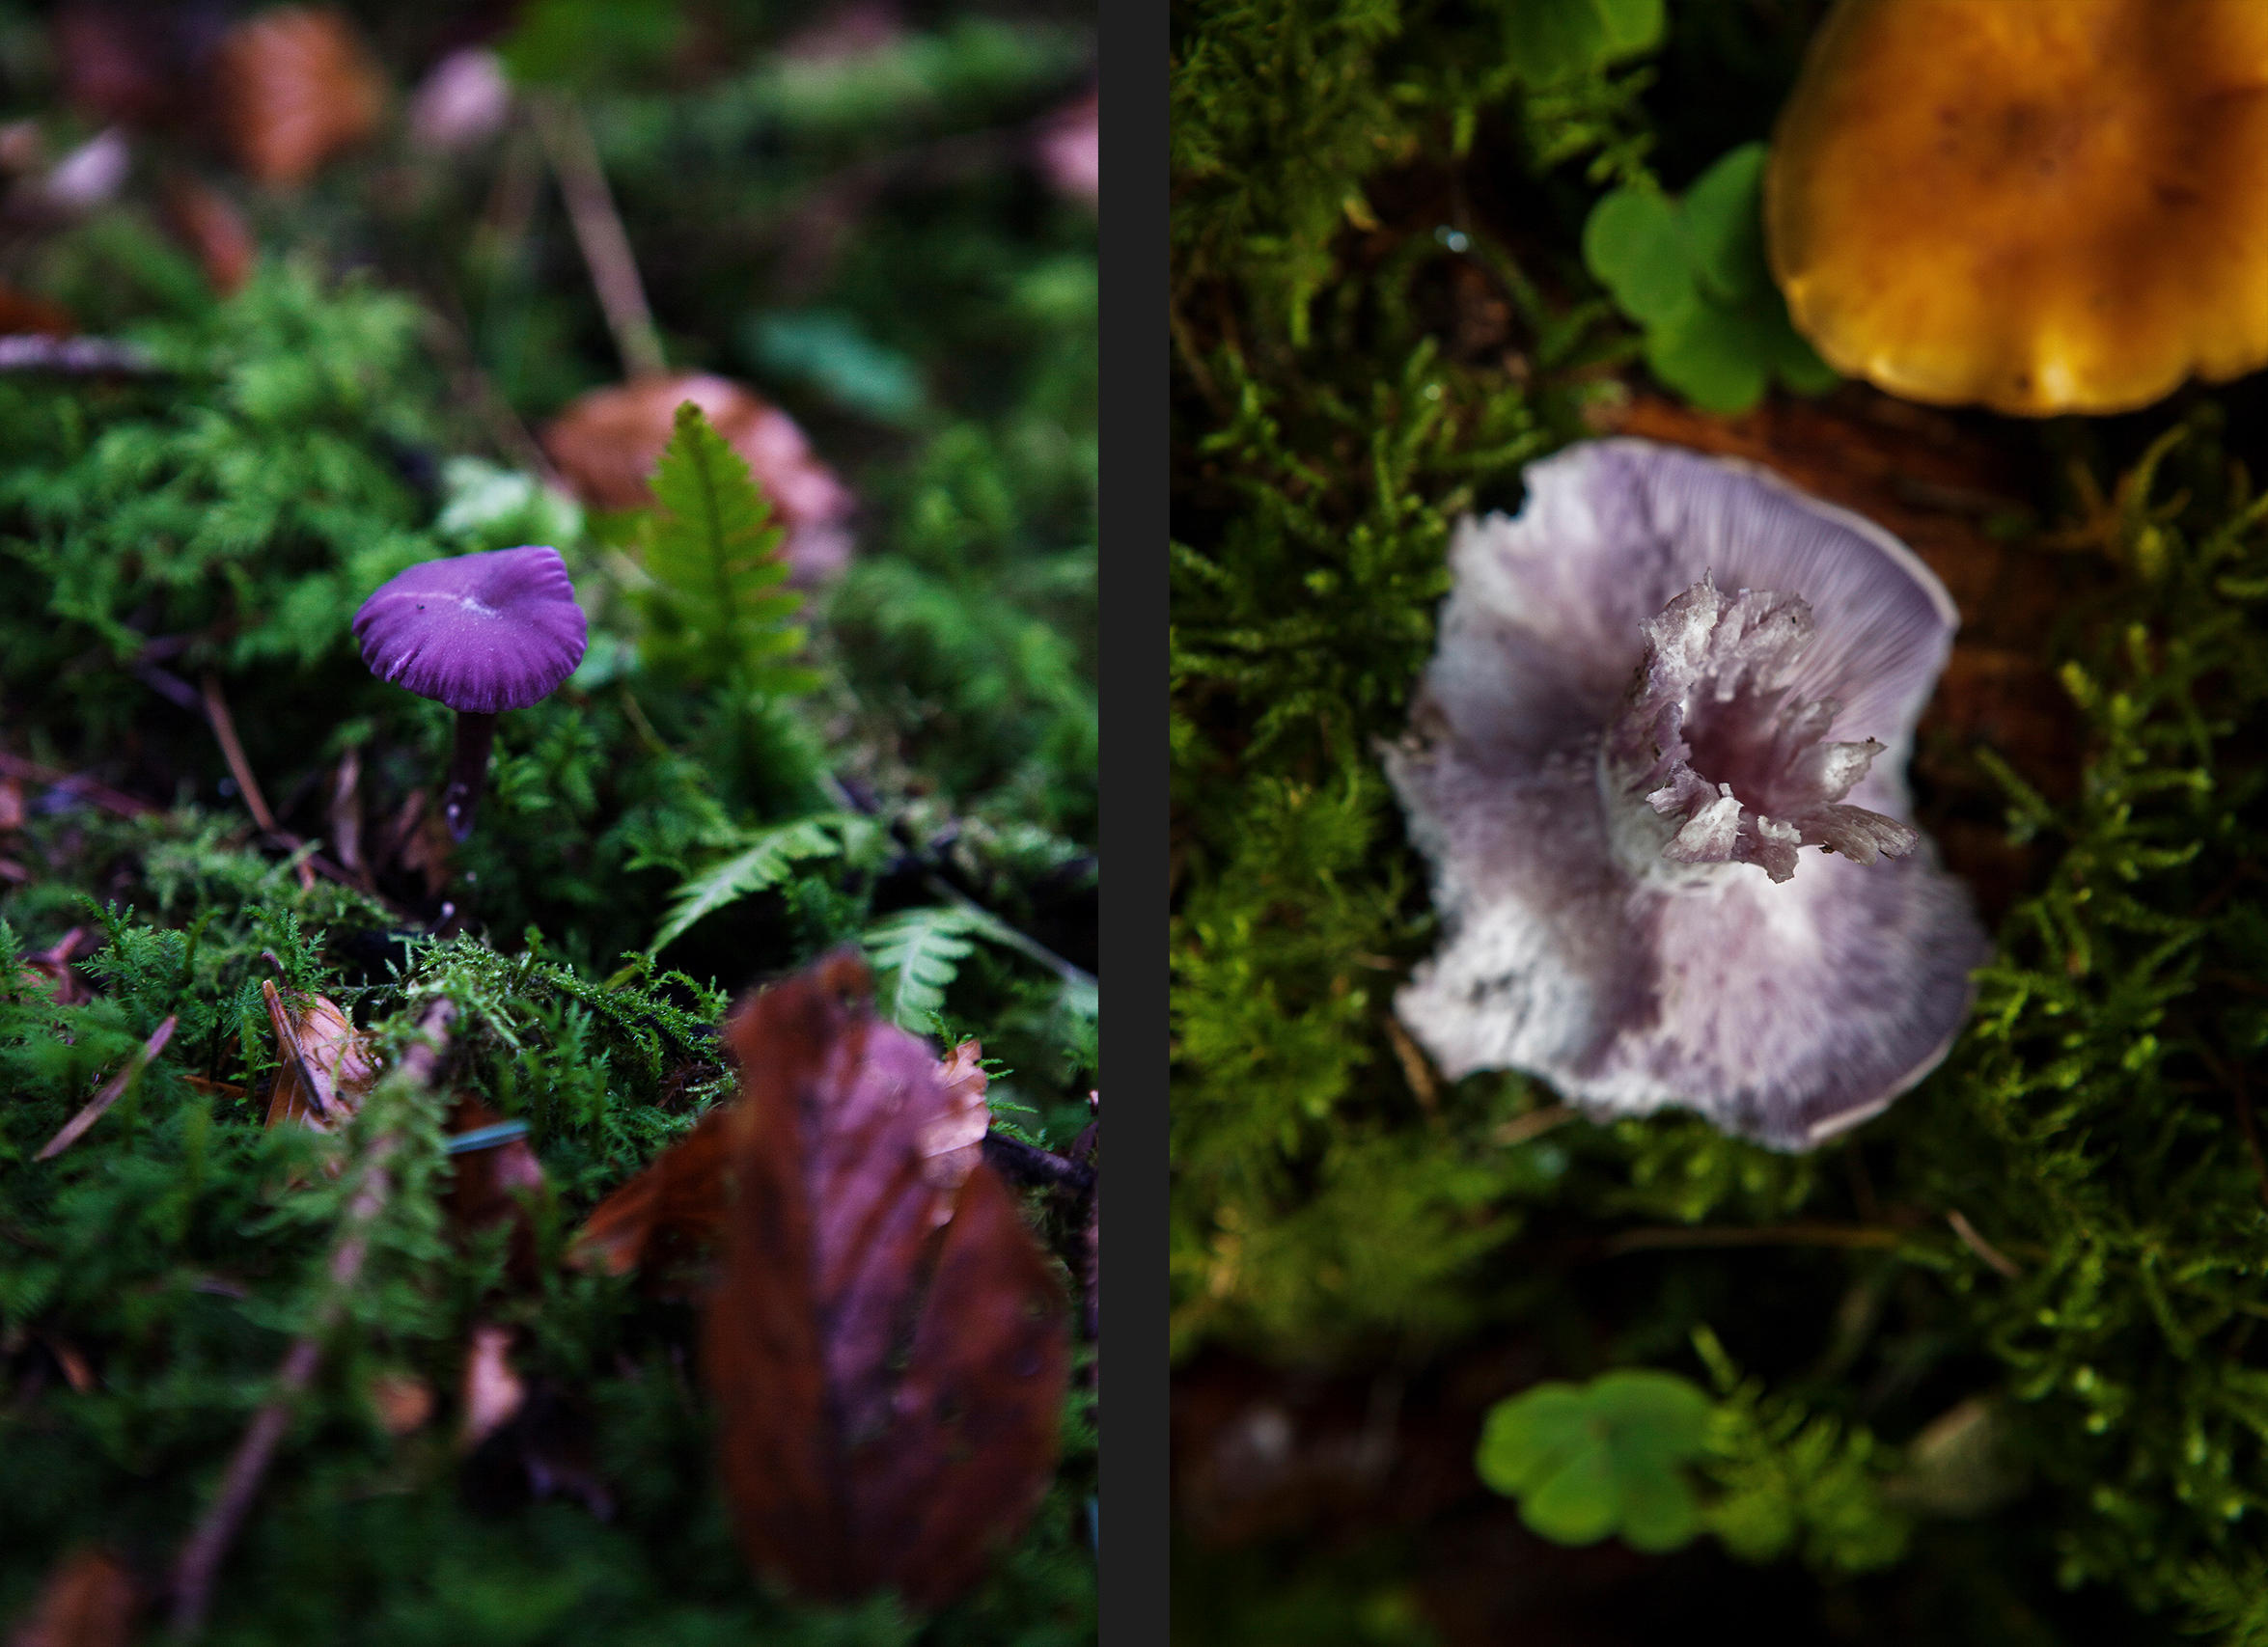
1587 1460
1692 272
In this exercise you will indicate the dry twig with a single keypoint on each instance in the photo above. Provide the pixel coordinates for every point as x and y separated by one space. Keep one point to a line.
600 232
77 1126
208 1542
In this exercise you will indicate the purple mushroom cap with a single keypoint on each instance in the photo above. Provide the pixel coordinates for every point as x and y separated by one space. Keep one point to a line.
482 633
1617 756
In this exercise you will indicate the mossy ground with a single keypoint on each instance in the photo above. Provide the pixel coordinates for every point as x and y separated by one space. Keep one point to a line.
220 517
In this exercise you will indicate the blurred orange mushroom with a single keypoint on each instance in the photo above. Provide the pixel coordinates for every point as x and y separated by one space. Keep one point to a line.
2040 207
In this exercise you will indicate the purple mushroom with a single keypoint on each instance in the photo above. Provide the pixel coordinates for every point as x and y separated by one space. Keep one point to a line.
483 634
1618 753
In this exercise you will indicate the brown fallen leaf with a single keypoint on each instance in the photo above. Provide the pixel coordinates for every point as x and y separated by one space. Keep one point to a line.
328 1062
953 1142
606 443
89 1601
293 87
402 1401
889 1389
675 1205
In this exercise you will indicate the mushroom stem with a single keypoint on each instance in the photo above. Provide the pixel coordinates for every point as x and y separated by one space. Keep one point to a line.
468 771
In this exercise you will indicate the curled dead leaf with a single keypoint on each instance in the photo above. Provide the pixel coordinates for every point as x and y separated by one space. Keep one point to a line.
328 1062
889 1389
293 87
954 1141
607 442
89 1601
676 1204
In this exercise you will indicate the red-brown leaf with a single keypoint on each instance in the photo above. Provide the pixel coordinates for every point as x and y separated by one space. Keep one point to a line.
973 1436
678 1204
294 87
607 442
402 1400
889 1391
89 1601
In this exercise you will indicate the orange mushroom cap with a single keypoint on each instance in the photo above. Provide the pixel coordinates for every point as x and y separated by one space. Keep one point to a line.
2042 207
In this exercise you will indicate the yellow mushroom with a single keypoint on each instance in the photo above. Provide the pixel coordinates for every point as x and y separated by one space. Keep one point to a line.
2042 206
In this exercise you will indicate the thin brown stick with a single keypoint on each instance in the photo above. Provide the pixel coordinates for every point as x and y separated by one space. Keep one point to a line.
511 432
1521 1129
208 1543
224 729
1415 1069
1982 1248
1770 1235
600 232
102 795
74 1128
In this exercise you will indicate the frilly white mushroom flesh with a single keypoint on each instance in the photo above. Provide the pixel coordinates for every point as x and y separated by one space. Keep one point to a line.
1653 686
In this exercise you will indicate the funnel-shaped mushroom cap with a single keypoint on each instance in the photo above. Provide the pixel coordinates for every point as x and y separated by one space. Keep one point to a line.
2044 205
479 631
1655 686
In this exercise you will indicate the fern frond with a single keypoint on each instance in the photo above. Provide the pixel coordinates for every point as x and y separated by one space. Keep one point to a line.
916 955
768 858
712 547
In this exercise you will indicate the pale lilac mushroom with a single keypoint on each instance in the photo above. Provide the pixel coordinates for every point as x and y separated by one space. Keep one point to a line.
1654 686
483 634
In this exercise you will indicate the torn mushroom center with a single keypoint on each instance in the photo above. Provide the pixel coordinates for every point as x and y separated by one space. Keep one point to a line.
1716 758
